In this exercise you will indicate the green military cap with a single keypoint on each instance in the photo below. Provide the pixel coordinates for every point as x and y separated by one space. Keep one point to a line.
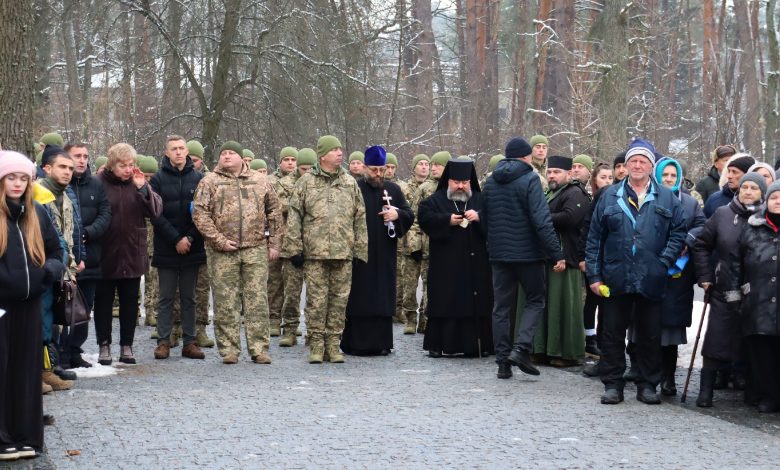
257 164
494 161
288 152
418 158
538 139
195 148
100 161
441 158
53 138
585 160
327 143
391 159
307 156
232 145
248 154
147 164
357 156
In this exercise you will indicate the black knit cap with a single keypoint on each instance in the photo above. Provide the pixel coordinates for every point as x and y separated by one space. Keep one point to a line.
517 147
620 159
51 151
742 163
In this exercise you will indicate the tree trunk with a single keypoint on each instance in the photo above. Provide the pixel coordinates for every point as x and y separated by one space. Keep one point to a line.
770 110
751 125
17 70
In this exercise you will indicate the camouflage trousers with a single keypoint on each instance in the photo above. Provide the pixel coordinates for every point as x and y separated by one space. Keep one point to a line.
293 285
328 283
410 279
276 291
236 275
399 285
152 293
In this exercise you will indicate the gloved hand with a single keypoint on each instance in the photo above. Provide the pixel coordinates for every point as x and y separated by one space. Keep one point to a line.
54 271
417 255
297 260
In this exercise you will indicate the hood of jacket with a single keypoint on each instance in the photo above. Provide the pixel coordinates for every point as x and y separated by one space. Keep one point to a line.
510 169
167 166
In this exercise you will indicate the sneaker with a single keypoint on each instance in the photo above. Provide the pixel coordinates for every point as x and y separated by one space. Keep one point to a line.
230 359
9 453
126 356
521 359
192 351
162 351
262 358
26 452
104 358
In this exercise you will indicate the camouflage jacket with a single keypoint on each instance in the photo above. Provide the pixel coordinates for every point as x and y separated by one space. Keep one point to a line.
418 240
237 208
326 218
410 239
62 214
284 188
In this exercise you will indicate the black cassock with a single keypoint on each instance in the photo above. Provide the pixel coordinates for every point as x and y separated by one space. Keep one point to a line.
371 304
460 287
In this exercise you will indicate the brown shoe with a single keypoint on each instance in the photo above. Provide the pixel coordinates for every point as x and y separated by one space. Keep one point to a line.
162 351
56 383
192 351
262 358
46 388
230 359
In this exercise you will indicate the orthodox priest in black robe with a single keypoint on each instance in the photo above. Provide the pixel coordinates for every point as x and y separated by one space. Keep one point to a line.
371 304
460 288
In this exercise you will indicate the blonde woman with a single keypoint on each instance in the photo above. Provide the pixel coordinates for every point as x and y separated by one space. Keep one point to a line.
30 257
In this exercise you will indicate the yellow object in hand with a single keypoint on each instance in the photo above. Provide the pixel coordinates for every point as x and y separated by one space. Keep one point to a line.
604 290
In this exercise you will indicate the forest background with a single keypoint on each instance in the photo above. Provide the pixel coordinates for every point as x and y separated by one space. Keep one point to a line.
415 76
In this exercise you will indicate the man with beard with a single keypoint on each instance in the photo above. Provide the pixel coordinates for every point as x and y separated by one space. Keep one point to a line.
460 296
371 304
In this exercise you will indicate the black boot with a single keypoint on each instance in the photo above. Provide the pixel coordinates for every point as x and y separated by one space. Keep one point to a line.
722 377
706 386
54 359
592 347
669 367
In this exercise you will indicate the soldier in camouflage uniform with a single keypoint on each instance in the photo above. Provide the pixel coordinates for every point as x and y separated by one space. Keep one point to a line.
391 166
292 277
539 146
326 232
288 158
151 282
491 166
412 243
233 207
418 248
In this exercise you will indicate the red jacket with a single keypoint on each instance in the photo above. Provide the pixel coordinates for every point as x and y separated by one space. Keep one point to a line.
124 243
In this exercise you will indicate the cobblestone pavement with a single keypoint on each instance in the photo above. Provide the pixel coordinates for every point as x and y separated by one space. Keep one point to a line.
404 410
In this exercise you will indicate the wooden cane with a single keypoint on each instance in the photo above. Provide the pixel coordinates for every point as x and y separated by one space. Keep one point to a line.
695 345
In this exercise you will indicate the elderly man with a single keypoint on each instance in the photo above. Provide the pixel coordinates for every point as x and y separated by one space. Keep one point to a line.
521 242
233 205
326 232
371 304
460 295
636 232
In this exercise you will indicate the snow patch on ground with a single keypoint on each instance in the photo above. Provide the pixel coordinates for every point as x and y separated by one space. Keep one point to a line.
685 350
96 370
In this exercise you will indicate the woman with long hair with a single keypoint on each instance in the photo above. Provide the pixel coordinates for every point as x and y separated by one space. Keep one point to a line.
30 260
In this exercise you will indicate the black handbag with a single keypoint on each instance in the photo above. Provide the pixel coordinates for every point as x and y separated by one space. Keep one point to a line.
70 305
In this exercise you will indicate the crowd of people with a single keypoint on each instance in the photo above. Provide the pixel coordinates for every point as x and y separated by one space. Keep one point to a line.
519 264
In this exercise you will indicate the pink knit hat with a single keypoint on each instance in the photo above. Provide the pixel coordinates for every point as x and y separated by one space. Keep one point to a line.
13 162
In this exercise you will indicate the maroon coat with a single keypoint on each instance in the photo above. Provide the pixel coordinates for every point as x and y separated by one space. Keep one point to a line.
124 244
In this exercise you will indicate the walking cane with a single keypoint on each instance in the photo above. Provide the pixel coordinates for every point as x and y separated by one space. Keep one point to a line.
696 344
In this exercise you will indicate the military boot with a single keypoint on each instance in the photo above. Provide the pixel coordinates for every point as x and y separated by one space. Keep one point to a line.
316 348
411 323
276 328
202 338
399 317
175 335
422 323
289 339
332 348
56 383
150 319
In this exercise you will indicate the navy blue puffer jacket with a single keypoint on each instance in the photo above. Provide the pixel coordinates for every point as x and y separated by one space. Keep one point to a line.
516 216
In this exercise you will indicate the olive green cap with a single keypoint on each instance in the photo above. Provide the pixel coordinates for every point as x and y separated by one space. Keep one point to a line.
441 158
288 152
418 158
538 139
258 164
391 159
53 138
585 160
307 156
327 143
195 149
494 161
100 161
248 154
232 145
147 164
357 156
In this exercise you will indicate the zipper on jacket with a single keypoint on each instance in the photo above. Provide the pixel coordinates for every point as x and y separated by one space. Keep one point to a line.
240 215
24 256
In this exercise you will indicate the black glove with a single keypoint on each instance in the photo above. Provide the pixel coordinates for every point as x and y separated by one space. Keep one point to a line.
417 255
297 260
54 271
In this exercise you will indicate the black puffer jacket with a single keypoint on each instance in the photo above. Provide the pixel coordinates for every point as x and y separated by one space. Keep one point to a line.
709 185
95 217
714 243
20 277
516 216
568 211
754 268
176 188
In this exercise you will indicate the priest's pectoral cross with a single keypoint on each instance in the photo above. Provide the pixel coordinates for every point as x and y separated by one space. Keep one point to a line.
389 224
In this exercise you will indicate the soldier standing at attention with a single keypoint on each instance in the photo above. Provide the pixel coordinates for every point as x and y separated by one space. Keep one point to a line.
233 205
326 231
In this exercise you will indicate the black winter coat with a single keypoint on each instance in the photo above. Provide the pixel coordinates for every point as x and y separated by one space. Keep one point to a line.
568 211
754 268
176 188
20 278
709 185
714 243
718 199
678 301
95 217
516 216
